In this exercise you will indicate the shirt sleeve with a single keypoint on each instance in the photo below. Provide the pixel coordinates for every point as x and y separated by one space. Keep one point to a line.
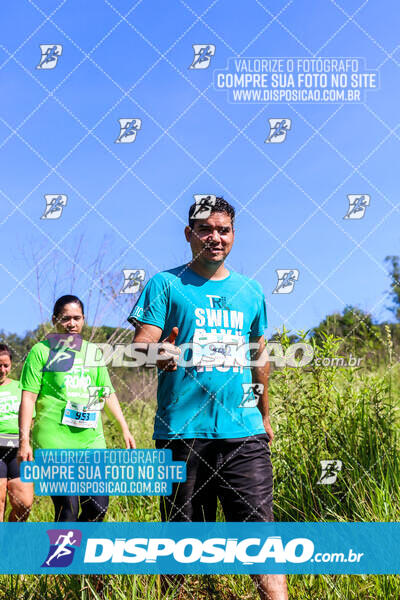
103 379
19 389
260 321
32 374
151 307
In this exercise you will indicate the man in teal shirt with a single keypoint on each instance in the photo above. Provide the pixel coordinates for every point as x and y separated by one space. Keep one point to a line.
203 314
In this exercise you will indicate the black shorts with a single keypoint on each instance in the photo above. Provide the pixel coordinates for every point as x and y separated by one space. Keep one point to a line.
9 468
237 471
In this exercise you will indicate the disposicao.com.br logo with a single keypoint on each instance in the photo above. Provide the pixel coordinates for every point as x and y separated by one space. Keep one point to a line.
248 551
63 543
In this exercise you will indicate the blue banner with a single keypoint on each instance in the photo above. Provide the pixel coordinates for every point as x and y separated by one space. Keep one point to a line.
200 548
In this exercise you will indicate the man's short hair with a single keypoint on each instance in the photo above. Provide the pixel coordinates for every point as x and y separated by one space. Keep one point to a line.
220 205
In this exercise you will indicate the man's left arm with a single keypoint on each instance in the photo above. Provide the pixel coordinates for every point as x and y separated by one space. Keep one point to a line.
260 375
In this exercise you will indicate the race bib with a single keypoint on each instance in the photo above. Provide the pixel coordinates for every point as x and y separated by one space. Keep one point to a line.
77 415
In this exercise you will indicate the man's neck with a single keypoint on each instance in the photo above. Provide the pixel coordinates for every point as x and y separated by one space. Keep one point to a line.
213 272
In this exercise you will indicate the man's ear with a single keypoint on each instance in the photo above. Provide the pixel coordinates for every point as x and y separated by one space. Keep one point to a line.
188 233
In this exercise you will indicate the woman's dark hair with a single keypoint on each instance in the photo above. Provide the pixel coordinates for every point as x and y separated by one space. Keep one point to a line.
5 348
61 302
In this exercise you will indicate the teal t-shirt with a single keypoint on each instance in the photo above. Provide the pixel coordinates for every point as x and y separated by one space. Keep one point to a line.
203 401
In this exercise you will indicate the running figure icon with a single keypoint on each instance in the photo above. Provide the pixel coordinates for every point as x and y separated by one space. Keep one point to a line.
62 546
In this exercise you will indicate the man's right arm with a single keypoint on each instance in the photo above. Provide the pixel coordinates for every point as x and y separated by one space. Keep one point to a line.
150 334
146 333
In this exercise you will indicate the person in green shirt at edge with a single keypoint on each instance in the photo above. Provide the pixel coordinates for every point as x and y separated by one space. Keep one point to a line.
56 378
20 494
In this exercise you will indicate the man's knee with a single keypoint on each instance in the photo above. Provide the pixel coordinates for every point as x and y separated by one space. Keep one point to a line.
93 508
66 508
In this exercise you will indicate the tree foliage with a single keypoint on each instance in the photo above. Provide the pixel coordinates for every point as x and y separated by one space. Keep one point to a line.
394 273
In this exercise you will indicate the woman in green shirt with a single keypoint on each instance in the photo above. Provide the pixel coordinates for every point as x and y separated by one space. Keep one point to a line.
56 377
20 494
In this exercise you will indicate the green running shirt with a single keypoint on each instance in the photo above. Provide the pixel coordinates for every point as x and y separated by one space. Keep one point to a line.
10 399
55 389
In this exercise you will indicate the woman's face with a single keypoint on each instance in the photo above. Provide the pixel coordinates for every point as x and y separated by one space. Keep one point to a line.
5 366
70 319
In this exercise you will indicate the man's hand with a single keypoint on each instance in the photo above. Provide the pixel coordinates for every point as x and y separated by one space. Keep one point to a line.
268 429
171 352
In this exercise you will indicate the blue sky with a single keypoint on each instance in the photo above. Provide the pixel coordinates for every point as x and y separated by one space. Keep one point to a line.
127 203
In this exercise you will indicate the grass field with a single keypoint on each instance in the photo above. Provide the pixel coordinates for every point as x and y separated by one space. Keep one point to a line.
317 413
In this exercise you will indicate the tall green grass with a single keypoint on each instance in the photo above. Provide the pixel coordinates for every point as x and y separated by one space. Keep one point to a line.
317 413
